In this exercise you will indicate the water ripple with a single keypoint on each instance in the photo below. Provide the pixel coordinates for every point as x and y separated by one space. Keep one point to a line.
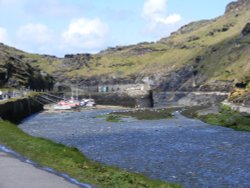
180 150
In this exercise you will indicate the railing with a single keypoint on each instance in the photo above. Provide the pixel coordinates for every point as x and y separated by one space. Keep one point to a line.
43 98
8 94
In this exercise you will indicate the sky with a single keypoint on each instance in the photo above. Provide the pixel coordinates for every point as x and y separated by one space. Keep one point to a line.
59 27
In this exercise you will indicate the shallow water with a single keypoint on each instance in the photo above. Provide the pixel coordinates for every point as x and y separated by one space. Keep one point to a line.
180 150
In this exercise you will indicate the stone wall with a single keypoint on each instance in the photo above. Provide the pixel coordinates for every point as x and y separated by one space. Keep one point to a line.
120 99
130 95
115 88
163 99
16 110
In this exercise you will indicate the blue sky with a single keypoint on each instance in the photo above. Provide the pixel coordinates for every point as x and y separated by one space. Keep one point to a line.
58 27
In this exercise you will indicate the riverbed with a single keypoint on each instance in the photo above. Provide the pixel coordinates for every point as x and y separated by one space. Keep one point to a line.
182 150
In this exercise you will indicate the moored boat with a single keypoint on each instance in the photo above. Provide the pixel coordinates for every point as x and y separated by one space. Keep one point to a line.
66 105
61 107
87 102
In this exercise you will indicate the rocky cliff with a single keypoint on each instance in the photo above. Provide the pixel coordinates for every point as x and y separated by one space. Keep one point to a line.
16 72
237 6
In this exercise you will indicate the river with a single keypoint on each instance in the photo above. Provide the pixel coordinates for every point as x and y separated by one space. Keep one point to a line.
181 150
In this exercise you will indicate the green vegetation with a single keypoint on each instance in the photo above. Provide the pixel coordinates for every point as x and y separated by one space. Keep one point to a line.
33 94
148 114
72 162
221 58
141 114
112 117
191 112
248 86
228 118
222 51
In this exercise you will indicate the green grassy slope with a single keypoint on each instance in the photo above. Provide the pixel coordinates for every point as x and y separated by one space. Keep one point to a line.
179 50
215 41
214 49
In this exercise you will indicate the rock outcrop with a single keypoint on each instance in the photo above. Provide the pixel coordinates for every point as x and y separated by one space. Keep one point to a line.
246 30
237 6
16 73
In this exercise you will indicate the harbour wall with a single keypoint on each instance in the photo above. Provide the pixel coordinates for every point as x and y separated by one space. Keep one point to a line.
141 95
180 98
157 99
15 110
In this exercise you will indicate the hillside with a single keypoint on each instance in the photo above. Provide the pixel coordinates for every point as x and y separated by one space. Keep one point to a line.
16 72
204 55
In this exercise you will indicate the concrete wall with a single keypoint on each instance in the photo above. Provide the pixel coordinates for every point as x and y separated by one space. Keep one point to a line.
16 111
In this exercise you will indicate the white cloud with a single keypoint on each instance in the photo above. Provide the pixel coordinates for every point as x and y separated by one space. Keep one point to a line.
172 19
158 22
154 8
36 38
34 33
11 3
3 35
156 11
82 35
85 33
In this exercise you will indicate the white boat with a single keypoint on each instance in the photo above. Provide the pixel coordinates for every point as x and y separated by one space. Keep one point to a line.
61 107
87 102
72 103
90 104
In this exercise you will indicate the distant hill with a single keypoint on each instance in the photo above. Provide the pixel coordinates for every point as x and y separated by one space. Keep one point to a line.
203 55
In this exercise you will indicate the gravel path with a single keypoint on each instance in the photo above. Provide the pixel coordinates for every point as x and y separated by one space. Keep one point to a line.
180 150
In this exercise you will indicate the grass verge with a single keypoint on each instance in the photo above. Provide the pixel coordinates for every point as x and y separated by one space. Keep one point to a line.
228 118
72 162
